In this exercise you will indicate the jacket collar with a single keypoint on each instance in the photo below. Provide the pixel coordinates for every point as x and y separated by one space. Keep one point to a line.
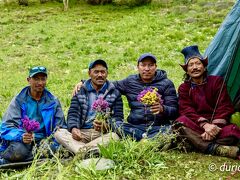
22 96
109 86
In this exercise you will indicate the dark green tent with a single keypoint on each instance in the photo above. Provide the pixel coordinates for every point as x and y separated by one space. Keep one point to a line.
224 51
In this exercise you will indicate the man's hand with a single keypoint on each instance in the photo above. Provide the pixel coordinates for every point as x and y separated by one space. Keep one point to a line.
100 126
77 88
219 122
206 137
27 138
157 108
76 134
211 129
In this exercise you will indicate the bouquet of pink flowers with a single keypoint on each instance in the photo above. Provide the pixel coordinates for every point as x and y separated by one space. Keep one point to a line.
30 125
101 107
149 96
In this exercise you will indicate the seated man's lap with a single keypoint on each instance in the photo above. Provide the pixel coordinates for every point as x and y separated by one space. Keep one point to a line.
89 134
17 151
166 129
137 131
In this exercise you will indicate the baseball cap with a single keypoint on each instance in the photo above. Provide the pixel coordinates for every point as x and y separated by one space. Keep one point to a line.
37 69
147 55
98 61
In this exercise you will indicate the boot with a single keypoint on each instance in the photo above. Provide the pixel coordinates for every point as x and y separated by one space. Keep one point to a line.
227 151
3 161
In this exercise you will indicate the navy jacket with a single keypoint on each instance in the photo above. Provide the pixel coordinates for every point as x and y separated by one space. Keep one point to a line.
77 113
133 85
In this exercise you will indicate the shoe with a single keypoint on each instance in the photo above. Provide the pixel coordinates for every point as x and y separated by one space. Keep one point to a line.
92 152
3 161
227 151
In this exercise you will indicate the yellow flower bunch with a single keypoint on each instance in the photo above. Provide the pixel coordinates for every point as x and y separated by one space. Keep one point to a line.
149 96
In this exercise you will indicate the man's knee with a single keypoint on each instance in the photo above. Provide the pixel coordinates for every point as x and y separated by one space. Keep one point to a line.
18 151
60 133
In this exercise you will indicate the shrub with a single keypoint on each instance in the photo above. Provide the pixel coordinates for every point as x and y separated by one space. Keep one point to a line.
131 3
97 2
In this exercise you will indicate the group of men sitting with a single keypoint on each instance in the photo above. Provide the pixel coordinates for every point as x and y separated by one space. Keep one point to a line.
200 113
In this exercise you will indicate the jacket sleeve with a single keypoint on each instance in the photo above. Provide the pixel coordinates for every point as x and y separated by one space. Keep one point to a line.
10 127
117 109
186 107
170 101
74 114
59 116
120 85
224 108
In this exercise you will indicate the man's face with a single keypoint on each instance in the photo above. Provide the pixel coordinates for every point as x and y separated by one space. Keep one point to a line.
37 82
147 69
98 75
195 68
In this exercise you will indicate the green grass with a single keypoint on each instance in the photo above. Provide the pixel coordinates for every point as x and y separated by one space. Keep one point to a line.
65 42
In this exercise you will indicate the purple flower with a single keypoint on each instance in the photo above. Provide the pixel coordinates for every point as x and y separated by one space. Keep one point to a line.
100 105
30 125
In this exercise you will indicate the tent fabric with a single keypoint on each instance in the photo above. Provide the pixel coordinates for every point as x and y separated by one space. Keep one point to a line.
224 51
237 101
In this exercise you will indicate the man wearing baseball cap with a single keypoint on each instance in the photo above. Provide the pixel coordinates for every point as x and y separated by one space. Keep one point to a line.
34 102
85 131
148 122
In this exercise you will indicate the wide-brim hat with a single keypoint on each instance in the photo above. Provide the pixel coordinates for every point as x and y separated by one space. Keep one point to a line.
191 52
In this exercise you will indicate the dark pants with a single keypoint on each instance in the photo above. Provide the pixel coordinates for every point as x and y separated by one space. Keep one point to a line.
138 131
199 144
20 152
17 152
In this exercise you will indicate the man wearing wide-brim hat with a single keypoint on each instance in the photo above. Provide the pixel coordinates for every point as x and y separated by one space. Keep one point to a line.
205 108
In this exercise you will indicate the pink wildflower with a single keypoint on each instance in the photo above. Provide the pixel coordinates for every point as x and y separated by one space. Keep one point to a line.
30 125
101 107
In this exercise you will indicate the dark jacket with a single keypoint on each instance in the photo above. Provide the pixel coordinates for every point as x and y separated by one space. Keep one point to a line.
52 115
197 105
133 85
77 113
199 101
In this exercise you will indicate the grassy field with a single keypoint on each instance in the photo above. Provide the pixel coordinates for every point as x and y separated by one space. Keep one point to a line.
65 42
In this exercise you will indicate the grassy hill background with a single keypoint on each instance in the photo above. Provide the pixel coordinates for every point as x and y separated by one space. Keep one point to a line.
65 42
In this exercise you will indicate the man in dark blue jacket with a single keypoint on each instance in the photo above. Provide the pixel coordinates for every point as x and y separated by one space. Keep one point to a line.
33 102
146 121
142 121
85 131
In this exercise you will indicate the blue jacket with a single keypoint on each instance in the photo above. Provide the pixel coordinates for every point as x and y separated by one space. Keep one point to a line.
77 113
52 115
133 85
